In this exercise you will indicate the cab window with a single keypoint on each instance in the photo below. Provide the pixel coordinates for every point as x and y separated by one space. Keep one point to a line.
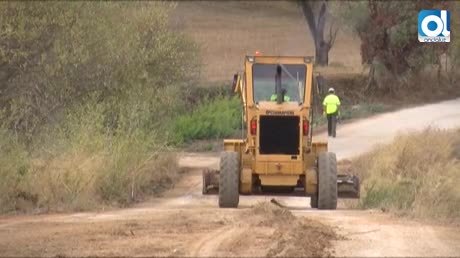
292 81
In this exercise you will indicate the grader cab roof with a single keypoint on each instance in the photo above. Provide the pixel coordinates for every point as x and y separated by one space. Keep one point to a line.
280 59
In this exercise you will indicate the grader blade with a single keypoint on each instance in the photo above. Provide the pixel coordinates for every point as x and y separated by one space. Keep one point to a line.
348 186
210 181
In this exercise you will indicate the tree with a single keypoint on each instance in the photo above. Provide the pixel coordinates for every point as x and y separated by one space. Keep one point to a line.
52 55
315 13
388 33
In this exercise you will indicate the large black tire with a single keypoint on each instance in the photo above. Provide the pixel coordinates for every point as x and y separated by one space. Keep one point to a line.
229 180
327 181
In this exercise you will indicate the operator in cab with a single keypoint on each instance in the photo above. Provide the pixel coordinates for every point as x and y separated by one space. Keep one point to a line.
278 87
331 108
274 97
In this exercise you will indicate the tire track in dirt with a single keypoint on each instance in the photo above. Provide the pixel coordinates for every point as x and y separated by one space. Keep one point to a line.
209 245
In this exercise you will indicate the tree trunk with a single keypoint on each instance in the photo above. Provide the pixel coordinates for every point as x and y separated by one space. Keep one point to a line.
316 27
321 47
322 54
370 79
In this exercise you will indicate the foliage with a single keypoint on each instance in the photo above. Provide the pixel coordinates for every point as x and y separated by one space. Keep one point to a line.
55 54
388 33
220 117
89 91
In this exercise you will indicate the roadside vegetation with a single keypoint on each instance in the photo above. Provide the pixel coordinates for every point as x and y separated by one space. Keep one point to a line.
89 96
213 119
389 47
416 175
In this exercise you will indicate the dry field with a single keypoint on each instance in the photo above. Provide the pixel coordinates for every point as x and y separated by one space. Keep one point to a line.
241 28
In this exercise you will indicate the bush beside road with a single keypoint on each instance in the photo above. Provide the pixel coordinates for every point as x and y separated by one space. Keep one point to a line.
418 175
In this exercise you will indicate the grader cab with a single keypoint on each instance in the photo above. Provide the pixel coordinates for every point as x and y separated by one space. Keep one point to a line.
278 156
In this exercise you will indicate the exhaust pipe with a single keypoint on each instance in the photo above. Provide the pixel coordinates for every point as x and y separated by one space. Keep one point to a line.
279 91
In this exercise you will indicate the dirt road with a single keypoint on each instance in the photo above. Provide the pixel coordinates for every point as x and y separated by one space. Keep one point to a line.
185 223
359 137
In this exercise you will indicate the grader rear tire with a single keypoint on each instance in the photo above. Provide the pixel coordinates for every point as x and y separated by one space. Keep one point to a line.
327 181
229 180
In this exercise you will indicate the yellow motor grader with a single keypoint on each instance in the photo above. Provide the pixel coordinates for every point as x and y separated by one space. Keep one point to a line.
278 156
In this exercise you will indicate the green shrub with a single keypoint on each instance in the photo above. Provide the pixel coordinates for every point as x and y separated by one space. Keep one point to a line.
220 117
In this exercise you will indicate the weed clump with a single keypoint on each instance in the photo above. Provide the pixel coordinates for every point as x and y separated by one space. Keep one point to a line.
417 175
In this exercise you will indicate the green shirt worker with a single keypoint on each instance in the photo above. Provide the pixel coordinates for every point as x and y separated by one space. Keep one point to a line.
331 105
274 97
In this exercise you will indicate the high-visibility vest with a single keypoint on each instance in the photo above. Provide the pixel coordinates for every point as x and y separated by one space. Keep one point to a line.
274 97
332 103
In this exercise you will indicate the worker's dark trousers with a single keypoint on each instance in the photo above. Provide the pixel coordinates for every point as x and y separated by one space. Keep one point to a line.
331 124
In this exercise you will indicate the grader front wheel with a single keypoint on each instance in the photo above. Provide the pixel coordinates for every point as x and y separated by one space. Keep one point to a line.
327 181
229 179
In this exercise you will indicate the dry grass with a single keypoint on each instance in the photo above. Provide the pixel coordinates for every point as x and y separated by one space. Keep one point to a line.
79 180
417 175
228 30
65 182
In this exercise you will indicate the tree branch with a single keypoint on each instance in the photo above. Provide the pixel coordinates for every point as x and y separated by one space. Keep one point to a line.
309 17
321 23
332 34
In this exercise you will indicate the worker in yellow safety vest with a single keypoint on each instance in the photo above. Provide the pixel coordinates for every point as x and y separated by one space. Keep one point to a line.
331 107
274 97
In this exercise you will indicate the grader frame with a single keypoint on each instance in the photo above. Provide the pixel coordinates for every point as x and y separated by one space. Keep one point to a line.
278 155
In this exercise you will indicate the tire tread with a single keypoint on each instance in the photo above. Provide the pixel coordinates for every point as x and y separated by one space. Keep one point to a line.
327 181
229 179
